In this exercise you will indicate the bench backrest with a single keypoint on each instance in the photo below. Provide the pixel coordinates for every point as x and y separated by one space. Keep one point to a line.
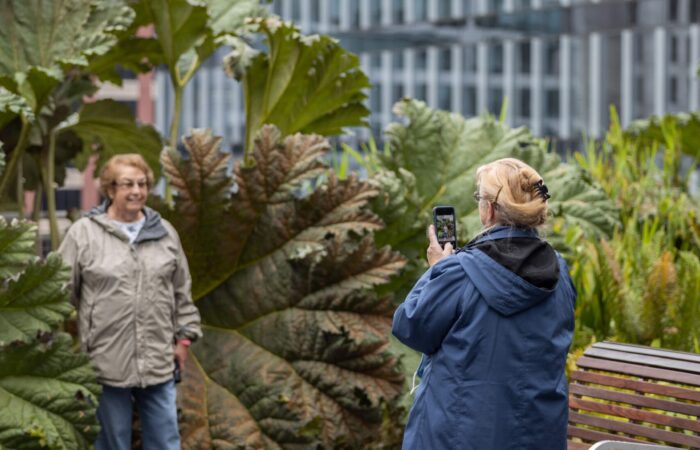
624 392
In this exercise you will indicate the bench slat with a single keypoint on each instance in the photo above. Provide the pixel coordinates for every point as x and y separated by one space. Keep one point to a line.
643 350
636 385
636 400
640 371
647 360
635 414
631 429
595 436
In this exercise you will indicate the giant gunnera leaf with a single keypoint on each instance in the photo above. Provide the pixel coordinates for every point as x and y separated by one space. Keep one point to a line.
295 347
48 391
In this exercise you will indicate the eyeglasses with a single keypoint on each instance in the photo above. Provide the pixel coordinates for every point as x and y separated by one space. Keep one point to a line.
129 184
478 197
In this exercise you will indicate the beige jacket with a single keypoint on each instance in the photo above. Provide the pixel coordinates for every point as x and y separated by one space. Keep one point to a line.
133 300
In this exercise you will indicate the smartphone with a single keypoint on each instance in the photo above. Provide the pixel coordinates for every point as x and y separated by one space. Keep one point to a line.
445 224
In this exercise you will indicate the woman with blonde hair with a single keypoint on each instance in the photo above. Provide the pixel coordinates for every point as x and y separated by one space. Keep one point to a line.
494 322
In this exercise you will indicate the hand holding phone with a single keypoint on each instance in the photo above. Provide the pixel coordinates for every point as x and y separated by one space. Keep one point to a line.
445 224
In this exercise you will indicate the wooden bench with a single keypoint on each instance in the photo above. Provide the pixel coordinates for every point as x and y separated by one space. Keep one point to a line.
632 393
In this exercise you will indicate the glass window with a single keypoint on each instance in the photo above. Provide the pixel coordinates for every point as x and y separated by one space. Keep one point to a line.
354 14
397 59
445 98
552 103
552 57
421 91
445 9
469 101
470 58
673 89
495 100
524 103
396 11
335 12
398 92
421 10
673 10
673 43
315 11
375 60
376 98
496 58
445 59
421 59
524 57
296 10
376 13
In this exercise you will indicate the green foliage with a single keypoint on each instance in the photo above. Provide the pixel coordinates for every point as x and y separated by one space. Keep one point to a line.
431 160
47 391
295 347
108 128
306 84
640 286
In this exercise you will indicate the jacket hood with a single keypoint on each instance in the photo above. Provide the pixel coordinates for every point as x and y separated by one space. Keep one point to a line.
513 269
152 227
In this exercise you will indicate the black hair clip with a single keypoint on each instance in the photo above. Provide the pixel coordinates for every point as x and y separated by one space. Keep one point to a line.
542 190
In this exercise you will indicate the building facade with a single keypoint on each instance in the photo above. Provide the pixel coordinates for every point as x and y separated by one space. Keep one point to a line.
560 64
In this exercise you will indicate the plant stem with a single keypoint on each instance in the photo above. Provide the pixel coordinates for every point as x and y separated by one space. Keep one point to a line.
36 212
50 191
16 154
174 128
20 188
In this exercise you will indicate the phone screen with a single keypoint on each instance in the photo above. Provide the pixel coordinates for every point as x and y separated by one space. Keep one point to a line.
445 225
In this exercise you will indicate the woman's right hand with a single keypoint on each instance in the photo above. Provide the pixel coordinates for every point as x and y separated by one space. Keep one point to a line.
435 252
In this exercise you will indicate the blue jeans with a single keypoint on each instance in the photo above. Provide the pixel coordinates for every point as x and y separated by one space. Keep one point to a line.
157 412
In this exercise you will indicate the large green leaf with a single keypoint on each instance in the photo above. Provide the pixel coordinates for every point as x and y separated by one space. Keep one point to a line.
12 105
108 128
37 38
47 391
34 302
684 128
441 152
48 395
307 84
187 32
295 348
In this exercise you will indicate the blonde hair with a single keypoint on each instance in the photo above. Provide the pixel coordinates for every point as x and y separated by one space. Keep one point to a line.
510 185
109 173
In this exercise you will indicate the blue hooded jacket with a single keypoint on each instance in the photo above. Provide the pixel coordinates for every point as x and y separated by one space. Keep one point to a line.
495 323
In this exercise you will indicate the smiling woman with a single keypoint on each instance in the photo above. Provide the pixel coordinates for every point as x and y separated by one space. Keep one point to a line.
131 285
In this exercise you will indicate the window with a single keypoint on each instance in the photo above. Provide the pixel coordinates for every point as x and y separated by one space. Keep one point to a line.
421 59
496 58
421 10
552 103
673 43
524 106
376 98
397 11
421 91
673 90
672 10
524 57
398 92
469 101
335 12
375 60
495 100
444 9
376 13
397 59
315 10
552 58
445 98
296 10
354 14
445 59
470 58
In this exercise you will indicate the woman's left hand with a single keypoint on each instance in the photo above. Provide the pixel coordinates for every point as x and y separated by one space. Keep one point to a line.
181 354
